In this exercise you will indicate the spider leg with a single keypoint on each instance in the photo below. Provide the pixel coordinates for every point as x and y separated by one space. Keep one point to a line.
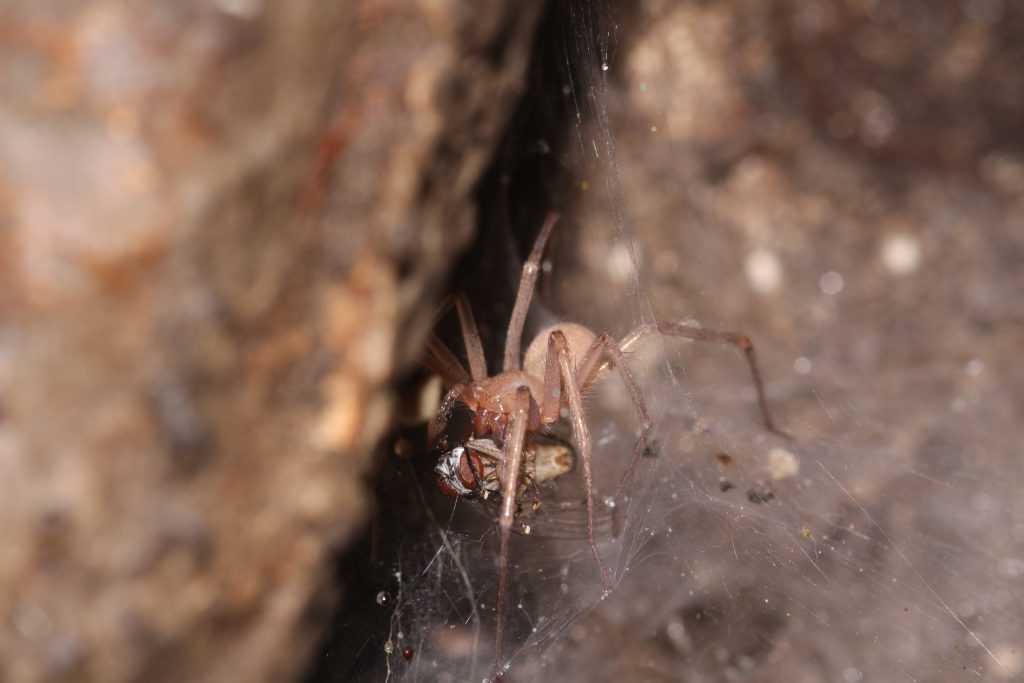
441 360
559 367
497 458
511 463
470 332
606 350
740 341
528 280
440 419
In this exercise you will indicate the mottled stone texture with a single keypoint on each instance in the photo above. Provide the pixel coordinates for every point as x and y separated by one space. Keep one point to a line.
215 217
844 181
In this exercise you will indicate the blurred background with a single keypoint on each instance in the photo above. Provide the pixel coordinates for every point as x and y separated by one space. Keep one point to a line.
226 226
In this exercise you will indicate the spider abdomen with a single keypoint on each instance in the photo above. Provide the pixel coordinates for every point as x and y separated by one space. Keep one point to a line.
578 337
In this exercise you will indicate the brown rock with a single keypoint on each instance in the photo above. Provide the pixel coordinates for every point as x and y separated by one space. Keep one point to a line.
217 215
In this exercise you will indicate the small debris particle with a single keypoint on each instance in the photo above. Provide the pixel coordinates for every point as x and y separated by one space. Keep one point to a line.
724 460
760 493
763 270
831 283
725 485
901 254
805 532
782 464
702 424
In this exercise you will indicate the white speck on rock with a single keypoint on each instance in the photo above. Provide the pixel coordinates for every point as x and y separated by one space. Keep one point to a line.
782 464
831 283
901 253
763 270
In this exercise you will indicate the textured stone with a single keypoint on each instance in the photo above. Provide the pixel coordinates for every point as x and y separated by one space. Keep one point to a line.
217 217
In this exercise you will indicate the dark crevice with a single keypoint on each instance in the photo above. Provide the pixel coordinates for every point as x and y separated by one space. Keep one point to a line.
525 180
531 173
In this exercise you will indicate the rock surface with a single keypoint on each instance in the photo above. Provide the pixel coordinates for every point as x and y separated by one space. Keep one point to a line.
843 181
225 225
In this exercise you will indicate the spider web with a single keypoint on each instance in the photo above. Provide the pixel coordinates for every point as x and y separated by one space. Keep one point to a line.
882 542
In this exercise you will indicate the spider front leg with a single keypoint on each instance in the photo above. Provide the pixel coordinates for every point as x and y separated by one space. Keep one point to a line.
512 461
470 332
558 377
440 420
527 282
439 359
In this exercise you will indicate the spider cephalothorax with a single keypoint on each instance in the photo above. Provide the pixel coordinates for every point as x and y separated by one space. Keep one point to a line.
499 454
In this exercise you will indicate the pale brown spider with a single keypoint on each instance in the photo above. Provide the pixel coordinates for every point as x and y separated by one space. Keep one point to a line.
506 410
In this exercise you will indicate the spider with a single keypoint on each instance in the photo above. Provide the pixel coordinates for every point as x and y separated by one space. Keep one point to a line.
510 409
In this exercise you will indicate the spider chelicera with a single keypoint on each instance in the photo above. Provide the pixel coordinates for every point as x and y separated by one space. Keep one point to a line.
509 410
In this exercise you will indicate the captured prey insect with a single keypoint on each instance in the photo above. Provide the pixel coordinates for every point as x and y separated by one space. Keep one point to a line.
471 469
498 456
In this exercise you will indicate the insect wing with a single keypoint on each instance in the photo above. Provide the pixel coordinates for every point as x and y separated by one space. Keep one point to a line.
565 519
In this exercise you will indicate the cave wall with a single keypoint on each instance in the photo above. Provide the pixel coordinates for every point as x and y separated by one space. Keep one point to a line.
225 225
